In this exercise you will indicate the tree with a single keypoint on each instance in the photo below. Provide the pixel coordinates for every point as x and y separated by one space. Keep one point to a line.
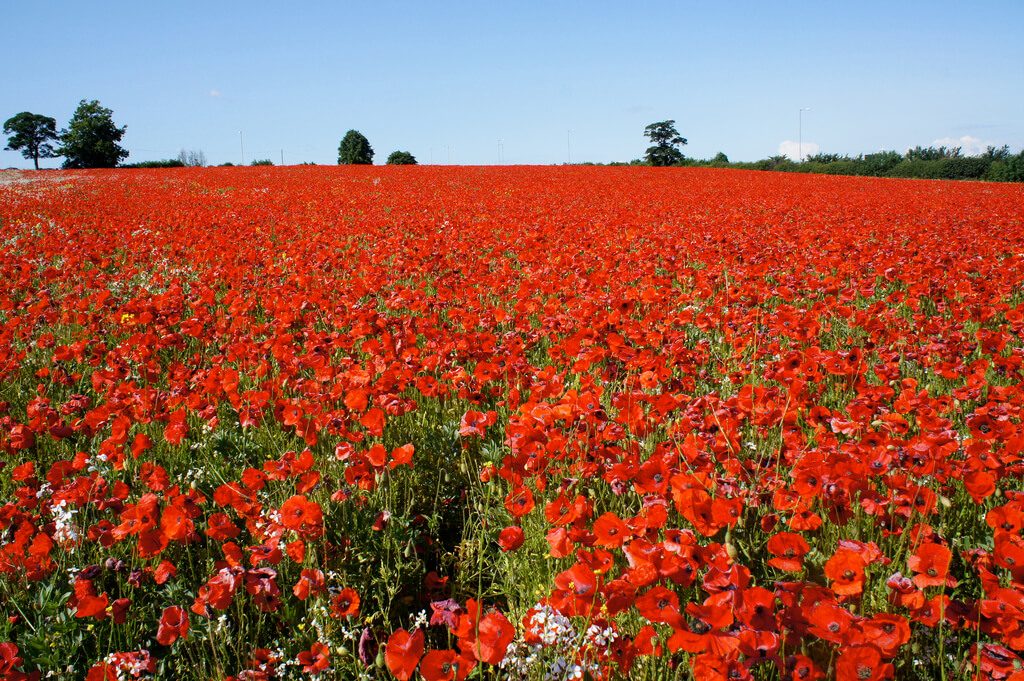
192 158
91 138
31 134
665 140
401 158
355 149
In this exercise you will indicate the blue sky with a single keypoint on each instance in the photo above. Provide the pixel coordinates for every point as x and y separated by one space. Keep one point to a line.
447 81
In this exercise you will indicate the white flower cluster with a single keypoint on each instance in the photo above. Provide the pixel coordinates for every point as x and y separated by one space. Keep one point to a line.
561 670
519 659
552 627
65 530
420 621
601 637
128 665
558 639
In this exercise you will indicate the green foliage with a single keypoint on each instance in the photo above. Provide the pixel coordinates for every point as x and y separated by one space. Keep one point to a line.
825 158
355 149
997 154
31 134
920 153
665 143
880 163
937 163
165 163
1010 169
401 158
91 138
262 162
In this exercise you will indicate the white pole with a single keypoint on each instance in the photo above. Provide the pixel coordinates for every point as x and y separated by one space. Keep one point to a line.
241 143
800 143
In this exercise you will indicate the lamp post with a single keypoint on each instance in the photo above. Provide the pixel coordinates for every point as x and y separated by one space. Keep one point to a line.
800 143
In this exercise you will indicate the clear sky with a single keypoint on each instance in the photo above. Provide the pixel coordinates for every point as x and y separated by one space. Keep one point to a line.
448 80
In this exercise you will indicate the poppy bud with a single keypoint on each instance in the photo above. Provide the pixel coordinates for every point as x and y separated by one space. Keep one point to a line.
369 649
730 547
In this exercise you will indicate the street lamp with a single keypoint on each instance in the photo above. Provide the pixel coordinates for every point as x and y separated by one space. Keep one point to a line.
800 143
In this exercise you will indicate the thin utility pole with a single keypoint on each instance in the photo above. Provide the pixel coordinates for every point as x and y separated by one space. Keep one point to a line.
568 144
241 143
800 143
282 157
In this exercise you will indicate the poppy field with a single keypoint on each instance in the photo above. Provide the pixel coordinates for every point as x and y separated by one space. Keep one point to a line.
513 422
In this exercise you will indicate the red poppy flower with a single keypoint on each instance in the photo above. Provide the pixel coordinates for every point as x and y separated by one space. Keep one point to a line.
610 531
475 423
658 604
403 652
316 659
519 501
493 635
789 550
345 603
511 538
444 665
402 456
861 663
930 563
173 625
845 569
888 632
302 515
311 583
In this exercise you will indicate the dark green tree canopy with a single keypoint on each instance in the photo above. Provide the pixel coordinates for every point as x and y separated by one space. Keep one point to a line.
91 138
355 149
665 143
401 158
31 134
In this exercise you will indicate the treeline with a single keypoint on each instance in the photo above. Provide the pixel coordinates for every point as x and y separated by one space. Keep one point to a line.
996 164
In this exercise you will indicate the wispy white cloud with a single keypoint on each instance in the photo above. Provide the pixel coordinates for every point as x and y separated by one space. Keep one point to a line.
793 150
969 145
215 93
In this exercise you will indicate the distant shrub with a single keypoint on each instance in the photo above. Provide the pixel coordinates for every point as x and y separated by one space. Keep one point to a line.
401 158
262 162
165 163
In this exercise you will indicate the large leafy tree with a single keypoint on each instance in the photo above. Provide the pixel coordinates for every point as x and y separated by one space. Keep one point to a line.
91 138
665 143
401 158
355 149
31 134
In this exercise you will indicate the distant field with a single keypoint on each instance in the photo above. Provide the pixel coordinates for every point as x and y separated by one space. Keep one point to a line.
509 422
